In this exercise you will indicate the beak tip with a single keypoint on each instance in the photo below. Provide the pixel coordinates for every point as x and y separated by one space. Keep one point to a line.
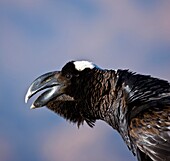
28 95
26 99
32 106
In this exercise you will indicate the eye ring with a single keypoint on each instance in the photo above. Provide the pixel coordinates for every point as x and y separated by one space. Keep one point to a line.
68 76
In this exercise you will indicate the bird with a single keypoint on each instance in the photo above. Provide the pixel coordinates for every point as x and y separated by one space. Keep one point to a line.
137 106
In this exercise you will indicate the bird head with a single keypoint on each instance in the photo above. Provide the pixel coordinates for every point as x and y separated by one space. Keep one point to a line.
65 92
57 83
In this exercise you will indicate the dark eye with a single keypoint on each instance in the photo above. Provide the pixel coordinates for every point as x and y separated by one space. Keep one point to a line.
68 76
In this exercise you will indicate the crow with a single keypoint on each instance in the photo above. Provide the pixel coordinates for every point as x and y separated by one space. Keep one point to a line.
137 106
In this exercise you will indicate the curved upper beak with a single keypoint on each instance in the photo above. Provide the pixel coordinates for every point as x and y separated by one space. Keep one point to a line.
47 81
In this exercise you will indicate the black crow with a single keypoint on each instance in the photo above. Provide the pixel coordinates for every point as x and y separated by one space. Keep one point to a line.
137 106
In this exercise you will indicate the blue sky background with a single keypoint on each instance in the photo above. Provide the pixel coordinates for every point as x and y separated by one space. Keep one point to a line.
37 36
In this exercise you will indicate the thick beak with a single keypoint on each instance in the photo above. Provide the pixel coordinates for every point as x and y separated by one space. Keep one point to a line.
47 81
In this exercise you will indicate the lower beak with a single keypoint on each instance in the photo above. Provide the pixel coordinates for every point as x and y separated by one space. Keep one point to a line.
48 82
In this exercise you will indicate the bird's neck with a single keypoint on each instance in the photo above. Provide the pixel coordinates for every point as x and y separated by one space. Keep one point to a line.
99 94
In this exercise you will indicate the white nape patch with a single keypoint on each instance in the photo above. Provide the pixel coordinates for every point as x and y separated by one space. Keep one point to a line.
81 65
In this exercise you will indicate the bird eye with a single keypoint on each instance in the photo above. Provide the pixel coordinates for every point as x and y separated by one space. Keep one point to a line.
68 76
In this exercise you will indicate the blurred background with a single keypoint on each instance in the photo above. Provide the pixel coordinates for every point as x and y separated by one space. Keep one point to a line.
37 36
